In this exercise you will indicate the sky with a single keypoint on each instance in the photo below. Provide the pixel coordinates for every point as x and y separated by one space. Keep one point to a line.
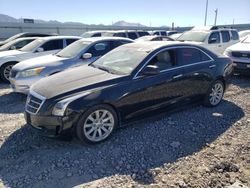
146 12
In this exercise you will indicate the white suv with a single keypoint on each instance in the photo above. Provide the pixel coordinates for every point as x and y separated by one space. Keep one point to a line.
213 38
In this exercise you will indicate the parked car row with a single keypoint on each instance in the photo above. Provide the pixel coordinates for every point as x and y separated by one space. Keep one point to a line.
90 86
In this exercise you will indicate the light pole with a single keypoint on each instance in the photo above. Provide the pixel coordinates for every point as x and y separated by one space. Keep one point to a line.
206 14
215 19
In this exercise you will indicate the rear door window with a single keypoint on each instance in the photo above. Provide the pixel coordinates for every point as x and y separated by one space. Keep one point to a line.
143 33
163 33
53 45
225 36
99 49
132 35
187 56
120 35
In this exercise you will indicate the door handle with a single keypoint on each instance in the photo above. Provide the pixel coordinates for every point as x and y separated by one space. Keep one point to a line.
212 66
177 76
219 45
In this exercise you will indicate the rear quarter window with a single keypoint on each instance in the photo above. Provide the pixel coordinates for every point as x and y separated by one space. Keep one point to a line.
235 35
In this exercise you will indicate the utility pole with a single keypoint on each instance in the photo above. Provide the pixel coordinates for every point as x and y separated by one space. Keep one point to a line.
206 13
215 19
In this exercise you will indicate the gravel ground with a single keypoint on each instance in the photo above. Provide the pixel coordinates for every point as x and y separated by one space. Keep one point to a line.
195 147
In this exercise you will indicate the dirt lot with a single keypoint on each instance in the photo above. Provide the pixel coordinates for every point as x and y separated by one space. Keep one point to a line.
197 147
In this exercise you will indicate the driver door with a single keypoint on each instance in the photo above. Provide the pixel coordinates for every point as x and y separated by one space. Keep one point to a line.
156 91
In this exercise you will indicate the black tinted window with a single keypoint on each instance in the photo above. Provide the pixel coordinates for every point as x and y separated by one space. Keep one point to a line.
163 33
225 36
120 35
132 35
214 38
119 43
188 56
69 41
99 49
97 35
235 35
143 33
156 33
164 60
53 45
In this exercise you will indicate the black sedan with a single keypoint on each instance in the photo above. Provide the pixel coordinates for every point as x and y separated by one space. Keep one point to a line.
128 82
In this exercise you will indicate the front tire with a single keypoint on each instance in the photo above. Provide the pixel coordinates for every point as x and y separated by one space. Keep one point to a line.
97 124
215 94
5 71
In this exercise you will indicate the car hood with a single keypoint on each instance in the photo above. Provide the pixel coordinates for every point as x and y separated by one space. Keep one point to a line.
240 47
74 80
42 61
11 53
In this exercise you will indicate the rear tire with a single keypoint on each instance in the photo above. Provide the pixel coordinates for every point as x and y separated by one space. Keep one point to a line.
214 94
5 71
97 124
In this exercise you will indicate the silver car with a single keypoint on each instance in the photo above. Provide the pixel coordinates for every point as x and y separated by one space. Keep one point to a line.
83 51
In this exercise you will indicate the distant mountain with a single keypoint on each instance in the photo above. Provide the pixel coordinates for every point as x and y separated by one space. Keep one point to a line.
128 24
6 18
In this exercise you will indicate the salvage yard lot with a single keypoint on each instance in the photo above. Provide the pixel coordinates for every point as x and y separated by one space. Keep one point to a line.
197 147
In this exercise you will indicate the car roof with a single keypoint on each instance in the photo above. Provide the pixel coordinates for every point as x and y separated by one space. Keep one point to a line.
97 31
59 37
94 39
150 46
26 38
211 28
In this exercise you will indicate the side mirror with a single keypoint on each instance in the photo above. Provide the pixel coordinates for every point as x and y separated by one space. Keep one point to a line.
150 70
87 56
212 40
40 49
13 47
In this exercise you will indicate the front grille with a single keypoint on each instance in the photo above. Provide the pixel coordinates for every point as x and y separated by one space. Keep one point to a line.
13 73
241 54
34 103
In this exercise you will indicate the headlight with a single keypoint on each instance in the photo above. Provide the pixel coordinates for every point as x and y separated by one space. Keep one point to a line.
228 53
30 72
60 107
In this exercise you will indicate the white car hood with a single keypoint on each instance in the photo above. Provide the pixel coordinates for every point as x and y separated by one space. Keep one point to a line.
41 61
11 53
244 47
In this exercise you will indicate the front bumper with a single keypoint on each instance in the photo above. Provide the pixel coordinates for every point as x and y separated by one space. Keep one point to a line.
51 126
22 85
242 68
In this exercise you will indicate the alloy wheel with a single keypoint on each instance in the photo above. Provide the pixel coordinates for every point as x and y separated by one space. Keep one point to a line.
217 94
99 125
6 72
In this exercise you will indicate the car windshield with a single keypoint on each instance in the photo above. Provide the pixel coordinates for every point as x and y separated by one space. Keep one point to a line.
244 33
13 37
73 49
122 60
247 39
32 46
8 45
196 36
